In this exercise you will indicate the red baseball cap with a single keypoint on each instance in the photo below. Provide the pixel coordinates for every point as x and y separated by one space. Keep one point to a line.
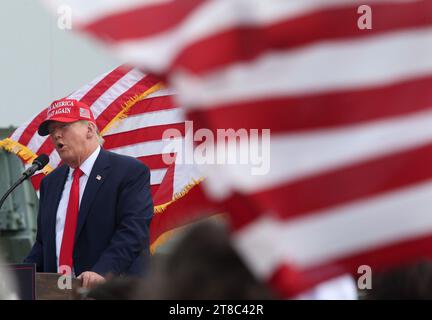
65 110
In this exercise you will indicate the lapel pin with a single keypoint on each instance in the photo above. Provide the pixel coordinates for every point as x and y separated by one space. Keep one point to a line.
98 177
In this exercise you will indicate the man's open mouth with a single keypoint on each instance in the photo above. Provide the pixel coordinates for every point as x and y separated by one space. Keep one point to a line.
60 146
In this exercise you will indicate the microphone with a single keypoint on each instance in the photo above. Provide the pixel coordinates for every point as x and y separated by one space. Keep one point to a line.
38 163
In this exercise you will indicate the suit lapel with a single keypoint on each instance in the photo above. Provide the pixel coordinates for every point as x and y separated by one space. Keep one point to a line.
97 177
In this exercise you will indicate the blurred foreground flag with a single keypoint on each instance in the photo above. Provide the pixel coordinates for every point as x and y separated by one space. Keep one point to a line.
132 111
346 90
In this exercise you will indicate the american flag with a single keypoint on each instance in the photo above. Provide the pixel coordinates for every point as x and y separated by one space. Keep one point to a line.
349 111
132 111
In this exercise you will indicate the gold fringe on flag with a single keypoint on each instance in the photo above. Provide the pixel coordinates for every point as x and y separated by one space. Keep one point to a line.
23 152
129 104
161 208
167 235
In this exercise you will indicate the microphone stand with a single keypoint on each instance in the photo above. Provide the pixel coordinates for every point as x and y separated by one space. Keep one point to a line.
16 184
38 164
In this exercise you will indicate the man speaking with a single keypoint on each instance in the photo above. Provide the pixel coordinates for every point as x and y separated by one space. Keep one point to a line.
95 209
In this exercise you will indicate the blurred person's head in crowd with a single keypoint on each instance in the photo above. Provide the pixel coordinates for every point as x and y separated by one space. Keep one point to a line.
204 265
113 289
413 281
126 287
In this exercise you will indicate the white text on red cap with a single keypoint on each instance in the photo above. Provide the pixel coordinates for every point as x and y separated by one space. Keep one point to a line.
54 112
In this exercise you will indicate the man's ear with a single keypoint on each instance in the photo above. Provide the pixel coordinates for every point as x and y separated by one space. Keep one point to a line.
91 130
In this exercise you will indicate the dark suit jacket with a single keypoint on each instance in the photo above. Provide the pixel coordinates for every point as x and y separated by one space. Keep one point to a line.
112 234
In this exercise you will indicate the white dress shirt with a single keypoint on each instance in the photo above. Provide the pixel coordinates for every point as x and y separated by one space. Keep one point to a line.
86 167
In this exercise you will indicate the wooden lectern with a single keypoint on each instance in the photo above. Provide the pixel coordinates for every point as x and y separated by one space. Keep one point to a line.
32 285
47 287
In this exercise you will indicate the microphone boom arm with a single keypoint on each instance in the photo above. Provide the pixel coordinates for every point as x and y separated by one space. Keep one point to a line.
12 188
38 164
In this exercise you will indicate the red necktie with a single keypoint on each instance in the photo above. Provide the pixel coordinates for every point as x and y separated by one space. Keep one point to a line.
68 239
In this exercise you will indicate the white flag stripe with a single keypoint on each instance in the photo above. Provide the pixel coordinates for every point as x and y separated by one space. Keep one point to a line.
85 12
363 62
148 119
342 231
157 175
54 159
16 135
36 141
116 90
134 150
161 93
81 92
89 11
212 17
295 156
149 148
186 172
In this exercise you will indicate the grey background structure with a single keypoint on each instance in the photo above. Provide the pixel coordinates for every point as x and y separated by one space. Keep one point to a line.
18 213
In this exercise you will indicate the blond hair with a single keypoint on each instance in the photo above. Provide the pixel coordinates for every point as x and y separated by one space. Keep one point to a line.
101 140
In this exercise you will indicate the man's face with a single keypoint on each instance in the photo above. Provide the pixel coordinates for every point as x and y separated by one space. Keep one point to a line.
70 141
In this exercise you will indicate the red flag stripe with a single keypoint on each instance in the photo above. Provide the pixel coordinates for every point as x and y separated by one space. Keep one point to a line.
286 114
36 180
165 195
327 24
154 161
343 231
141 21
267 76
32 128
147 119
153 104
104 84
378 259
195 206
315 193
116 106
142 135
154 188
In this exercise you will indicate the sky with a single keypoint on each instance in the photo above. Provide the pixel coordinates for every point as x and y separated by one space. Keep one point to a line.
39 62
